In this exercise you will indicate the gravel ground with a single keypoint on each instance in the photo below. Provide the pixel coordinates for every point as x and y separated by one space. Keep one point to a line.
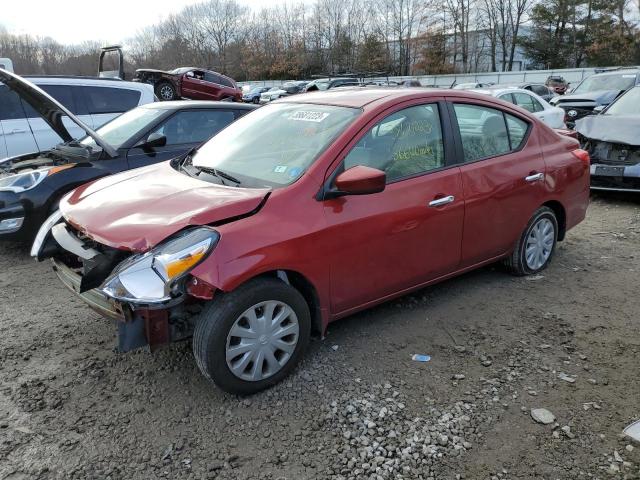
566 341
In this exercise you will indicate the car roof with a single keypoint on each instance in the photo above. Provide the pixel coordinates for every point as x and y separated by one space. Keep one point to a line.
83 80
360 97
185 104
499 90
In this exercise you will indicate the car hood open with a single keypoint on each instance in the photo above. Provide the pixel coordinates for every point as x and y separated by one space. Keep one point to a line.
611 128
50 110
138 209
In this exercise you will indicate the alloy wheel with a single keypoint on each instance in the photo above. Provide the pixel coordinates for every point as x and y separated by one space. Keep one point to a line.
262 340
166 92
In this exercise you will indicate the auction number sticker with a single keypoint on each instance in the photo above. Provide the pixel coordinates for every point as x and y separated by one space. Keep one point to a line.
308 116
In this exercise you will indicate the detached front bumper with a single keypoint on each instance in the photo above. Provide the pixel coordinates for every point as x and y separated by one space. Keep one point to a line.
96 300
136 329
618 178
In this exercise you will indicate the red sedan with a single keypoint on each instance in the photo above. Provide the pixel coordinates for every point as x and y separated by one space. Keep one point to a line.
310 209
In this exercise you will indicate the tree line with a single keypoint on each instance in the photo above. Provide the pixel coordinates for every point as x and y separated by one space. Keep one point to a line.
398 37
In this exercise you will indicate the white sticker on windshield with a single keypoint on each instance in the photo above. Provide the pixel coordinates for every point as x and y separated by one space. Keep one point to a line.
280 169
306 116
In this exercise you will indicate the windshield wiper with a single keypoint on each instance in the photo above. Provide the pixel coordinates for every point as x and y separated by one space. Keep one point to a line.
218 173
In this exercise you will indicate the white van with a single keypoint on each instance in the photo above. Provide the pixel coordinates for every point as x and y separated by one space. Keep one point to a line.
95 101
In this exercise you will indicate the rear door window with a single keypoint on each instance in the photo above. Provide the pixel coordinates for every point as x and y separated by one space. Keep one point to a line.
110 99
527 102
63 94
483 131
212 78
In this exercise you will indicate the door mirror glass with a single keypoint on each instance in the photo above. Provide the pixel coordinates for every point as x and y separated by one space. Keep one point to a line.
155 140
360 180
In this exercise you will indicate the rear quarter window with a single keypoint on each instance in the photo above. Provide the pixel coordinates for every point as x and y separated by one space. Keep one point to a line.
110 99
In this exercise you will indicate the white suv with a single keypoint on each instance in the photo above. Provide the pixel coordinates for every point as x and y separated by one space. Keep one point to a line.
95 101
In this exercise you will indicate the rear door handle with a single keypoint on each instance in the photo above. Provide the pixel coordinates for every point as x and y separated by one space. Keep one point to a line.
17 130
438 202
534 177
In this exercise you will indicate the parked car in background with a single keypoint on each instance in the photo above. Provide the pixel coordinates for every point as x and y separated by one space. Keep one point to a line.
557 84
539 89
31 185
253 95
596 92
94 101
329 83
410 83
190 82
552 116
471 85
310 209
273 93
612 138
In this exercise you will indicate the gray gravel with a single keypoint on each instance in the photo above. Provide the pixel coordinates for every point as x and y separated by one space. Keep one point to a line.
359 407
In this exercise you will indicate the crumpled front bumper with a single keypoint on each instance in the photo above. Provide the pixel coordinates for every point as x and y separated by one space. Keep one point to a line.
136 329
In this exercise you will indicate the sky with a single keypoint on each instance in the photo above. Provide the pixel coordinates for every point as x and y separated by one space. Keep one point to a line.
108 22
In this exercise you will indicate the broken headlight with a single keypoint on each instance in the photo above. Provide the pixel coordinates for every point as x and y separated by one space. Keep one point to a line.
153 277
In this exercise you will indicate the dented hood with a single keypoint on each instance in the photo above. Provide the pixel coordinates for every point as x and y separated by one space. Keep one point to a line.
138 209
611 128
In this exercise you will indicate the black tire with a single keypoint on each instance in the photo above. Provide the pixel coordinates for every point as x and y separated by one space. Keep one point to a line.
516 263
217 318
256 100
165 91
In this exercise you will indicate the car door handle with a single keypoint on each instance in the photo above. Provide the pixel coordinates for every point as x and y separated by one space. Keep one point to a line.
16 130
534 177
438 202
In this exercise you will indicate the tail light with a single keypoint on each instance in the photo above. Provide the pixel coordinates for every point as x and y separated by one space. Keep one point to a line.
582 155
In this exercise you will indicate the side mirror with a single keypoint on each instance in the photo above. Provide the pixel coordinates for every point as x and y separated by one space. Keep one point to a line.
359 180
154 140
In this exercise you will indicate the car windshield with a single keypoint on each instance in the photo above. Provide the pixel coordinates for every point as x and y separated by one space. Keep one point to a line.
627 104
322 85
257 90
274 145
119 130
606 82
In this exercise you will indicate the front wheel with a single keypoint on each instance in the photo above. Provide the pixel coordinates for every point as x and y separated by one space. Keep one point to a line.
256 100
535 247
166 91
253 337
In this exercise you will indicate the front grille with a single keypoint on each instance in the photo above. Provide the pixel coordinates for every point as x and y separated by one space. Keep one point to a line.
612 154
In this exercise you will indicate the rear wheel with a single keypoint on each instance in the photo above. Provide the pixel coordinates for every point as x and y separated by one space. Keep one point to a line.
253 337
256 100
165 91
535 247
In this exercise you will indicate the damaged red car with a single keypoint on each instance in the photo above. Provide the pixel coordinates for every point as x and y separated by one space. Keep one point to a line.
308 210
190 83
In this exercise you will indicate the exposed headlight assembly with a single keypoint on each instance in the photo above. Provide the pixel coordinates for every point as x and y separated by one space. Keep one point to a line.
21 182
153 277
